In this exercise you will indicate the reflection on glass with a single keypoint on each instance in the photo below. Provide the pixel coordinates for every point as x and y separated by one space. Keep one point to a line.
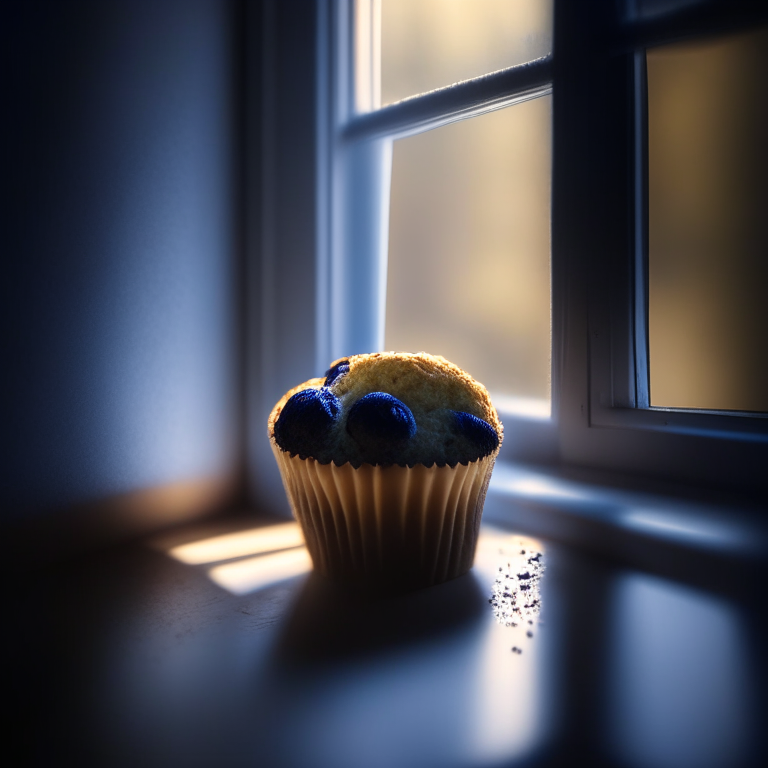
680 695
469 248
426 44
708 247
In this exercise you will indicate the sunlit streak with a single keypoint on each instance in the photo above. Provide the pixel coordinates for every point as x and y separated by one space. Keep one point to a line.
495 543
526 484
240 544
686 528
508 711
246 576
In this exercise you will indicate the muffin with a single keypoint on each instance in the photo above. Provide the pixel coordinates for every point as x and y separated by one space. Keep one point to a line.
386 462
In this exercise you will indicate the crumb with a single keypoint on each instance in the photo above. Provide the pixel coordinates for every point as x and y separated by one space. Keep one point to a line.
515 596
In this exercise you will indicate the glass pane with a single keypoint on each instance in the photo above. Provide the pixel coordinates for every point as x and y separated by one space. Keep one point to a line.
426 44
708 215
469 250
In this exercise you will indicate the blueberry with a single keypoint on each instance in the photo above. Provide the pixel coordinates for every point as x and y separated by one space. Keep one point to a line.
380 424
305 421
335 372
480 432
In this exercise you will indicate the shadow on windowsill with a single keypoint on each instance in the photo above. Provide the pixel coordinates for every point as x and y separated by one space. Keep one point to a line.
329 621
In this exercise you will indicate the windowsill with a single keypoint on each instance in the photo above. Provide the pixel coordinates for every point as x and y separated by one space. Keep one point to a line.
153 660
676 533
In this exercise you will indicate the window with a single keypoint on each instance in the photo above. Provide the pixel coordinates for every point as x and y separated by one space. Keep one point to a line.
323 274
371 144
600 251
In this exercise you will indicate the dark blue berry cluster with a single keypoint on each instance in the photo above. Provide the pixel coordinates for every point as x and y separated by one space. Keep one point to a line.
306 421
380 424
480 432
308 417
336 372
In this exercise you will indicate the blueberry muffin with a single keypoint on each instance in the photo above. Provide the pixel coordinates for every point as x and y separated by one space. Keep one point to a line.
386 462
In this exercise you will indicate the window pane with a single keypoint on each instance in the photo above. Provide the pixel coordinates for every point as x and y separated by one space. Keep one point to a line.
426 44
469 250
708 215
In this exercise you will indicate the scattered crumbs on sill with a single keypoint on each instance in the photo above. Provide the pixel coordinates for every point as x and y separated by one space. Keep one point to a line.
515 596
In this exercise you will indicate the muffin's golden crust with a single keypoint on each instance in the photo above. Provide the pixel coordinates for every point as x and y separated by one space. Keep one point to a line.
428 384
422 381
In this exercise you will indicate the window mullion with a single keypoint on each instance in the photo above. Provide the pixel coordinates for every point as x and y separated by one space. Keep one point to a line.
454 102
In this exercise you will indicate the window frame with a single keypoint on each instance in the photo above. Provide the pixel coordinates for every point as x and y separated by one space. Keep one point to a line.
314 297
601 135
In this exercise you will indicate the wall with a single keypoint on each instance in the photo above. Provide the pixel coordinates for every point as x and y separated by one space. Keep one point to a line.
119 249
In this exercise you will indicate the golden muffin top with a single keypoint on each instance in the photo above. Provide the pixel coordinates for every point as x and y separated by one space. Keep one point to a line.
388 408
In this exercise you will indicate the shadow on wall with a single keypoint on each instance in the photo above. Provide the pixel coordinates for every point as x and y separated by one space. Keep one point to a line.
119 135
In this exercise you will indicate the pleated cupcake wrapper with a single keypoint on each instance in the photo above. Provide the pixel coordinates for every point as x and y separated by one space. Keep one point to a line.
398 526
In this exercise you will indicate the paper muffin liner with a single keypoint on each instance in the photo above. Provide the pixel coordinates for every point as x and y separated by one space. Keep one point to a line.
397 527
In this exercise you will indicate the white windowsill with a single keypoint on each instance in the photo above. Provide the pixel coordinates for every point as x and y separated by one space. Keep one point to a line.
644 529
